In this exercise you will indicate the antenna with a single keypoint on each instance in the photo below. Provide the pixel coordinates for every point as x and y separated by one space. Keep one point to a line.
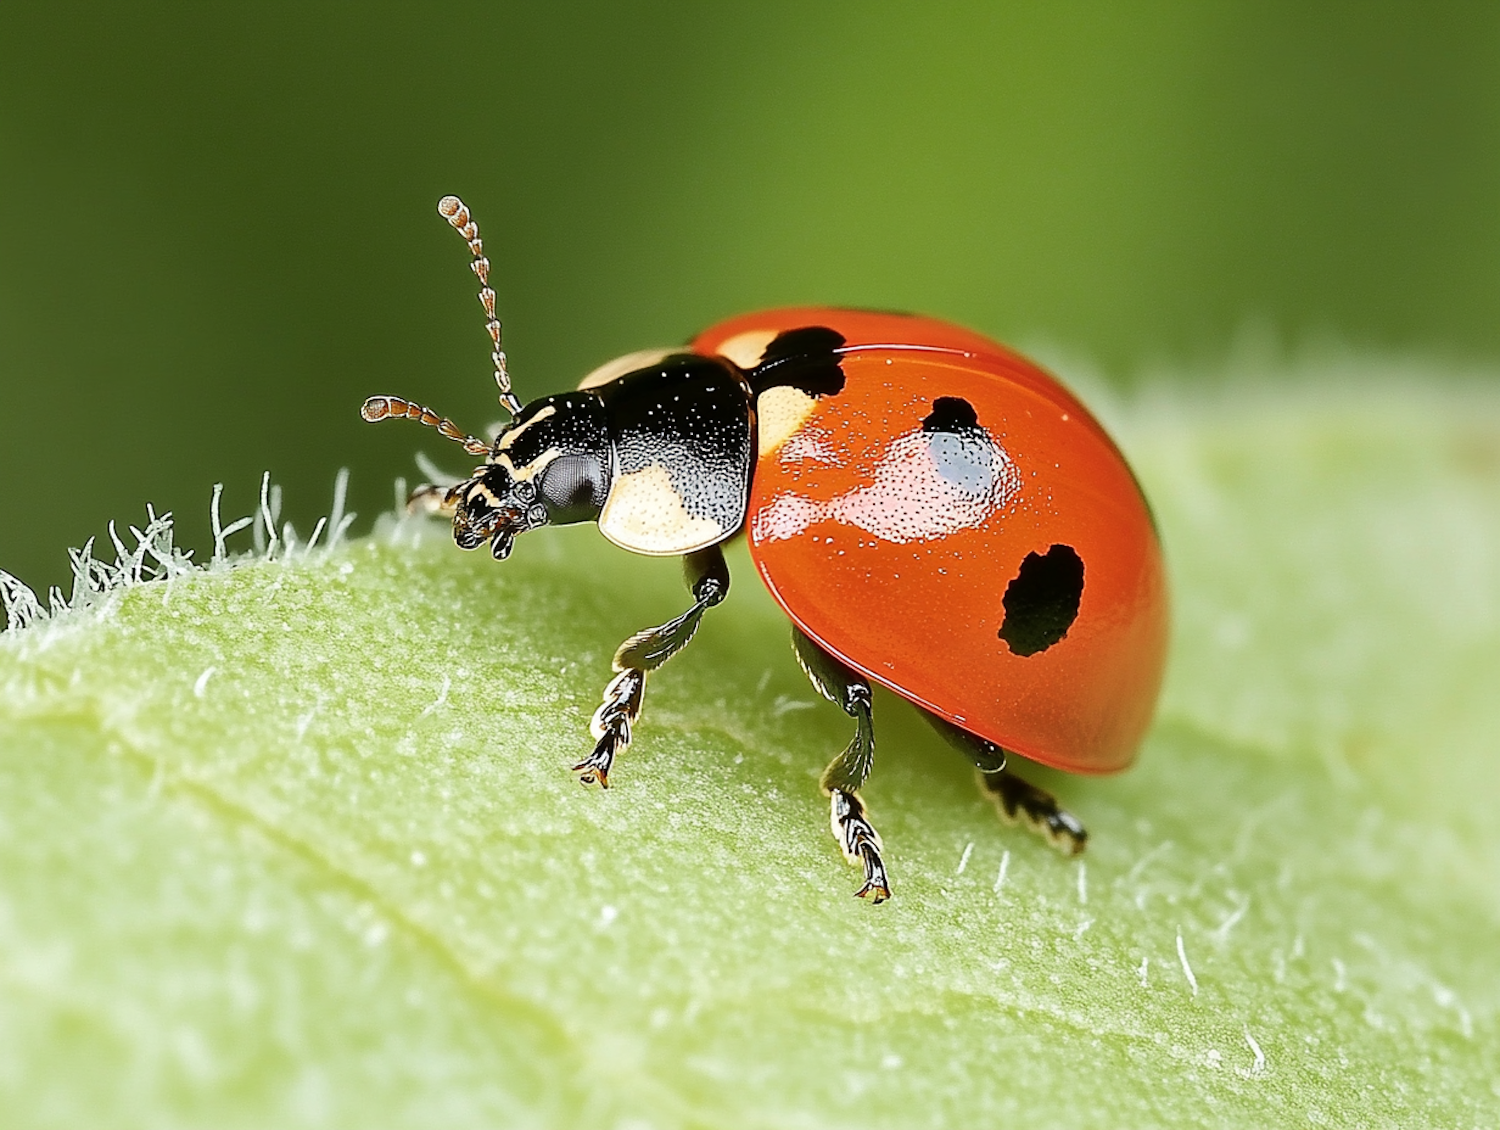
394 408
452 209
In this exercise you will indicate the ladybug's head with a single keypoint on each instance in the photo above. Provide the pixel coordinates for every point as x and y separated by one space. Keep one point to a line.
492 506
548 466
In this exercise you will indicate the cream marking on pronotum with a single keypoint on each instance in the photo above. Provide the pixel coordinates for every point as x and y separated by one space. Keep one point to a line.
629 363
645 513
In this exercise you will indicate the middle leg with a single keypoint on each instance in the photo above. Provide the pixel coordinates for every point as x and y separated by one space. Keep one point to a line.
848 771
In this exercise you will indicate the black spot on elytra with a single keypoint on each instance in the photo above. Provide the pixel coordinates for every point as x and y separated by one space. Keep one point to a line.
1042 602
950 414
806 359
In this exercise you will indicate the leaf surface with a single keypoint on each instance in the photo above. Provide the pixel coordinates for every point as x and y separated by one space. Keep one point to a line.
297 844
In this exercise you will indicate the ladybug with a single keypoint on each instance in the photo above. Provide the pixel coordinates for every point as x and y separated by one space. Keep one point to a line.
933 512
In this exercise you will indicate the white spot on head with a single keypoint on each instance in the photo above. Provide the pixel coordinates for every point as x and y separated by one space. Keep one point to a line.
521 474
511 436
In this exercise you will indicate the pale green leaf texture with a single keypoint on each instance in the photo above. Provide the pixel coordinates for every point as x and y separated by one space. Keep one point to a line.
291 845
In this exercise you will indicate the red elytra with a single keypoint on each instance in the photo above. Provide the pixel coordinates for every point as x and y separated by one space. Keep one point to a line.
860 540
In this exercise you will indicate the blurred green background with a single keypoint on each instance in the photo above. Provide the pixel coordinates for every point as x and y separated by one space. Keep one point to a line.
217 225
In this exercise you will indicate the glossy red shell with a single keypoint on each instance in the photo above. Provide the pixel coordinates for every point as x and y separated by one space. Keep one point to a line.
881 560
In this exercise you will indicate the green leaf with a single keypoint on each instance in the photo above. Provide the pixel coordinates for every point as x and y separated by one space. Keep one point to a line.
295 843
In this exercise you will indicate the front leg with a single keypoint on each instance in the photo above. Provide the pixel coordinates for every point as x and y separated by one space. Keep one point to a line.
431 500
437 498
708 579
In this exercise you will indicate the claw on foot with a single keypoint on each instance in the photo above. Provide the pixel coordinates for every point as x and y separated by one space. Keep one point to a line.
1065 832
859 842
1021 803
594 769
1057 826
611 726
877 886
589 776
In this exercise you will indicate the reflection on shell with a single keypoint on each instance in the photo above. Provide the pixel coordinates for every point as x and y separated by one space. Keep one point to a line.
926 485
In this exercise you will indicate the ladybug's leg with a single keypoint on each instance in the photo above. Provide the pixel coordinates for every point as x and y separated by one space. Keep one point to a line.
708 579
431 499
1020 801
1016 800
436 497
849 770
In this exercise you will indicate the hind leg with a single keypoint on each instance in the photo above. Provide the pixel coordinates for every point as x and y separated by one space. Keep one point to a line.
847 773
1017 801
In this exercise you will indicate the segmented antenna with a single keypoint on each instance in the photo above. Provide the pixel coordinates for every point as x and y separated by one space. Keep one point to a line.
452 209
394 408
